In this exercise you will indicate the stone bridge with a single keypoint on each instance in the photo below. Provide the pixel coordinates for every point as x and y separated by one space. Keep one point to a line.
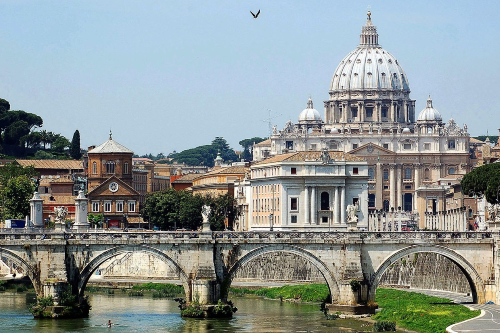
207 262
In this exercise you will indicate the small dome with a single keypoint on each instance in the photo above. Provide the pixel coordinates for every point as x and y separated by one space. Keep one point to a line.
406 130
429 113
309 115
334 130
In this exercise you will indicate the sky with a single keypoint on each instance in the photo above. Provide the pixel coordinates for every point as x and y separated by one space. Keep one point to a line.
167 75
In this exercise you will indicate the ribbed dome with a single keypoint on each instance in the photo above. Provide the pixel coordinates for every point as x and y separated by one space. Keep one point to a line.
369 66
309 115
429 113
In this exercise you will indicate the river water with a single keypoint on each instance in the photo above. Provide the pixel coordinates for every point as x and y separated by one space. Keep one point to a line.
145 314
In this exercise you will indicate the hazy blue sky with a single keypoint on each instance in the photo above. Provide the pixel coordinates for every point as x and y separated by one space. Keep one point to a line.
170 75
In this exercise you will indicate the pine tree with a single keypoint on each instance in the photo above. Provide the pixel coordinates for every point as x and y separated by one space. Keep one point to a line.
75 146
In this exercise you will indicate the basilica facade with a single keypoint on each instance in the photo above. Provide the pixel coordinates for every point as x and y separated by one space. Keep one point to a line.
370 115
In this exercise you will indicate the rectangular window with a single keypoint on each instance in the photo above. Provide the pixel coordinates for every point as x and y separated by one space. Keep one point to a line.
386 146
289 145
451 144
354 145
384 112
95 206
125 168
131 206
427 146
313 146
354 111
294 204
334 145
386 174
293 171
110 167
324 219
293 219
407 146
386 187
119 206
355 171
407 187
369 112
107 206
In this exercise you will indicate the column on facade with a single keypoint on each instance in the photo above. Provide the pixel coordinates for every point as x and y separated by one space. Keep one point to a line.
399 195
416 183
307 207
392 185
361 110
314 208
379 186
337 205
342 205
393 111
345 111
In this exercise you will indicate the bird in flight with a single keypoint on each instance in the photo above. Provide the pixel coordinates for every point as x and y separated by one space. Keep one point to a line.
255 15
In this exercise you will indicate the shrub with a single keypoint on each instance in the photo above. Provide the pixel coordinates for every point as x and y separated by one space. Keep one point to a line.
355 285
192 311
384 326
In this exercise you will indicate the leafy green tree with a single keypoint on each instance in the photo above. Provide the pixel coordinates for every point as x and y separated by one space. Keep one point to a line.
31 140
16 188
227 154
4 105
95 220
224 211
484 180
43 155
75 151
59 144
247 144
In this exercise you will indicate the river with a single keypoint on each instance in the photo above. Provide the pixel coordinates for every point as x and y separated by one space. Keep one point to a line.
145 314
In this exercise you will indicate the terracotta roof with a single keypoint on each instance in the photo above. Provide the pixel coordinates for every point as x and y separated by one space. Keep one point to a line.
238 169
310 156
59 200
187 178
474 140
264 143
53 164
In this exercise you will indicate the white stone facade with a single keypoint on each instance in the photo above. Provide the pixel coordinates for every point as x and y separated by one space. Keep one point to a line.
369 114
307 191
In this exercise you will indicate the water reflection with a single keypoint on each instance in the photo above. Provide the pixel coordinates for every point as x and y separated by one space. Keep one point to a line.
137 314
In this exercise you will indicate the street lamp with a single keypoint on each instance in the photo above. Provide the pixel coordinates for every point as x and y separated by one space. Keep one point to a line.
271 217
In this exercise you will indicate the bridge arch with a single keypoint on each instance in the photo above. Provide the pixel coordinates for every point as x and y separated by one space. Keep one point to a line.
89 269
475 281
320 265
28 269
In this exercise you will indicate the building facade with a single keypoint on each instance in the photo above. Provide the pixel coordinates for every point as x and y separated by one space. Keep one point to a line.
371 115
305 191
110 184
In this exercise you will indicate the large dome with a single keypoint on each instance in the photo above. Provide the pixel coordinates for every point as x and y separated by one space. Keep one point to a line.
369 66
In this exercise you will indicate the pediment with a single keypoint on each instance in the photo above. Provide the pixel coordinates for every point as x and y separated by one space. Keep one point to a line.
113 186
371 149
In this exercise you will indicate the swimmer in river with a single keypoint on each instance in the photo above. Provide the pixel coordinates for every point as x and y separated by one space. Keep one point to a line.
110 323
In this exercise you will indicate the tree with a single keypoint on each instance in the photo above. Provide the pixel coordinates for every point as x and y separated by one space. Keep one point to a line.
247 144
224 211
75 151
16 188
227 154
43 155
484 180
59 144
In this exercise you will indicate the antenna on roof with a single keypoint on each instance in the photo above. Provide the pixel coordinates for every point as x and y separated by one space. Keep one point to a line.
110 134
269 119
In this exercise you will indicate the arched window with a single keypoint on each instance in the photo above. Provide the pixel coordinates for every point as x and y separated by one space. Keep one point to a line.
451 171
386 174
371 174
408 173
94 168
427 173
325 201
110 167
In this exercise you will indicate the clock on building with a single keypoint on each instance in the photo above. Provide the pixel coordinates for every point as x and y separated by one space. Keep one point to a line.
113 187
